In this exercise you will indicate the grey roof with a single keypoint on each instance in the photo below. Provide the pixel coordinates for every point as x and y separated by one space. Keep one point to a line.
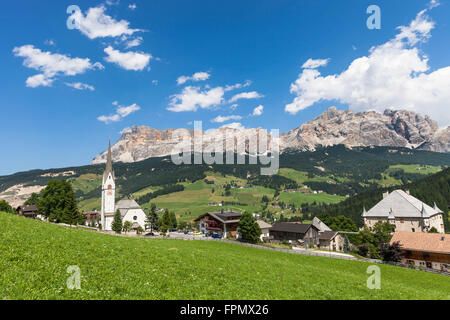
320 225
124 205
327 235
291 227
399 204
223 216
263 224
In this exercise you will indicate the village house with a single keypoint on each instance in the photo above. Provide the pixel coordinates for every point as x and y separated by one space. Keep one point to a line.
427 250
265 229
406 212
92 216
331 240
28 211
223 223
295 232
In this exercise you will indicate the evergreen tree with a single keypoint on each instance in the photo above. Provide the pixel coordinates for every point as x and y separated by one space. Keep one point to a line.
152 218
166 222
173 218
117 222
249 229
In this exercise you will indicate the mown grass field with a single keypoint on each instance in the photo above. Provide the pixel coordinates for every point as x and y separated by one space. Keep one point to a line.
34 258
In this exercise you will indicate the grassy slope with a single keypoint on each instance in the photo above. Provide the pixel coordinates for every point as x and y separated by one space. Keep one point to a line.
34 257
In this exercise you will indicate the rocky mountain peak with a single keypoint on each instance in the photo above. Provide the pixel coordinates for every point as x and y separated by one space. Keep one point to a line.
394 128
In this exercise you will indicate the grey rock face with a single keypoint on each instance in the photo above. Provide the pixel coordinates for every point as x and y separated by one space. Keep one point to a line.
392 128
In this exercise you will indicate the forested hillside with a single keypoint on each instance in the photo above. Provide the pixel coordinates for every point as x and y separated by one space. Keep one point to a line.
307 183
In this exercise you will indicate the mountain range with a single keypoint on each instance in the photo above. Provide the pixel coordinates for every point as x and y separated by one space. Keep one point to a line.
393 128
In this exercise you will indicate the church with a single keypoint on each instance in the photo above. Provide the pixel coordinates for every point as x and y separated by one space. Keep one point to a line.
129 209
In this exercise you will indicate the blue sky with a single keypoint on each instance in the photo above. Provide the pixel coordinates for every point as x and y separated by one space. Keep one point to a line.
58 82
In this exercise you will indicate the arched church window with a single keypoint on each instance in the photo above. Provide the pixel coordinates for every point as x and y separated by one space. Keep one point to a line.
110 187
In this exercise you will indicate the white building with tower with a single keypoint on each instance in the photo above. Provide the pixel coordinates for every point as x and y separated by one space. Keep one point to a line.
129 209
406 212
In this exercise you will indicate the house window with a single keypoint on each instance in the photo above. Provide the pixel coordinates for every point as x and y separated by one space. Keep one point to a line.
402 221
413 230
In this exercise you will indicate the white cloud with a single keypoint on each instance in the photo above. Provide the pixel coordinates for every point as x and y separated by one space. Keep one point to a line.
136 42
234 125
50 42
39 80
199 76
80 86
96 24
238 86
258 111
315 63
234 106
126 111
246 95
135 61
121 112
132 6
192 98
51 65
222 119
393 75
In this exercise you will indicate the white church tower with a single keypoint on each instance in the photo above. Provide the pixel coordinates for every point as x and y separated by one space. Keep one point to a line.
108 193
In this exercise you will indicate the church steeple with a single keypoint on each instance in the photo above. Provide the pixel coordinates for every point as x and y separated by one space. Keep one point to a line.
109 168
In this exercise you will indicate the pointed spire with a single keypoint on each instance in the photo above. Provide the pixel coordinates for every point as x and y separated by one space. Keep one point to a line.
109 168
364 211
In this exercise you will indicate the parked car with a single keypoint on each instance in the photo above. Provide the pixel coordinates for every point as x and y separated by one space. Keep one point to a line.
216 236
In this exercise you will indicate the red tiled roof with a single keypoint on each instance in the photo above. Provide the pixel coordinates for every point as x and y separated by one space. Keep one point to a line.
420 241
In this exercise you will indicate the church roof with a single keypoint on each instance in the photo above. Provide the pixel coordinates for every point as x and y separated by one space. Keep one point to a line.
124 205
400 204
109 168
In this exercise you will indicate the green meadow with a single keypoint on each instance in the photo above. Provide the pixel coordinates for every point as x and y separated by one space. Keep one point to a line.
34 257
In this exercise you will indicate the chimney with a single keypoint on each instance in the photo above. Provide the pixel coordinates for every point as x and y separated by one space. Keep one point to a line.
385 194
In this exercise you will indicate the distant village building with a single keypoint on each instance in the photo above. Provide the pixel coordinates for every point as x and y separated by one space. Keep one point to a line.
28 211
223 223
129 209
296 232
405 212
331 240
92 216
265 229
427 250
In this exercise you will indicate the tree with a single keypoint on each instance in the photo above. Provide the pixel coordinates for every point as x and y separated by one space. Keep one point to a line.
152 218
58 203
166 222
249 229
127 226
5 207
173 218
346 244
139 230
117 222
433 230
391 252
33 200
